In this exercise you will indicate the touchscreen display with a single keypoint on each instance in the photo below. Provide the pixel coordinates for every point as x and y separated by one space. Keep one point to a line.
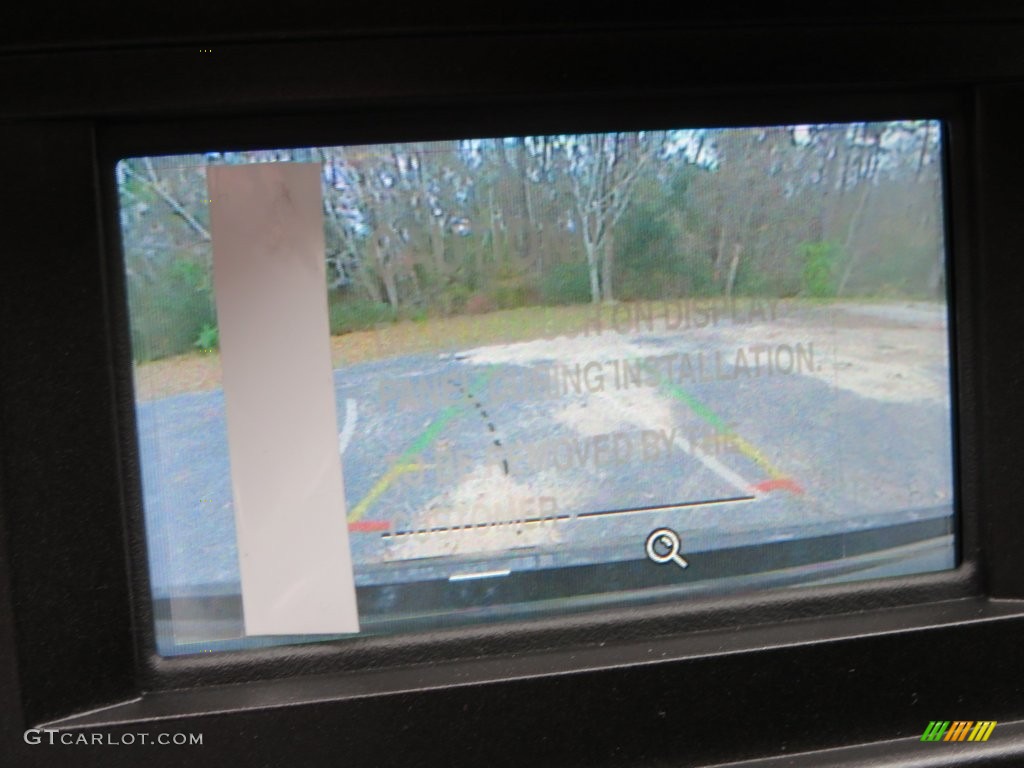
560 373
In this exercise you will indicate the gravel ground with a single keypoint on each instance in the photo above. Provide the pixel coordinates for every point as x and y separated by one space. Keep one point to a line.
768 423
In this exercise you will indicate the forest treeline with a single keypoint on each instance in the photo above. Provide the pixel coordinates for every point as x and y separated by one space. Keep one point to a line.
424 229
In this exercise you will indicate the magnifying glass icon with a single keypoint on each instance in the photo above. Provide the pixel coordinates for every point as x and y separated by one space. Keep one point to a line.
663 546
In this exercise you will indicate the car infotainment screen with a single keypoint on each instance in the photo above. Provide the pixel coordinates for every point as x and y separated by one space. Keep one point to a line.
401 387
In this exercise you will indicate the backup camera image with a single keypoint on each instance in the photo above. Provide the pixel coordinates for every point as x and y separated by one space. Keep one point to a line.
570 372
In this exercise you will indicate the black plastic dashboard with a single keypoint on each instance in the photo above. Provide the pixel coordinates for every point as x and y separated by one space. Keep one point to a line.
847 674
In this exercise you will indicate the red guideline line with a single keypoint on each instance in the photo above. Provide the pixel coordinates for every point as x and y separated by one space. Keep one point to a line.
369 526
779 484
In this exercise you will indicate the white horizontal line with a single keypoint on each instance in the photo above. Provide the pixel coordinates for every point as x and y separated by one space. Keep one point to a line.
480 575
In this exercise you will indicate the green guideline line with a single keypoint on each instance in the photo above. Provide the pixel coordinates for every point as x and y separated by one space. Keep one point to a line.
715 420
404 462
694 404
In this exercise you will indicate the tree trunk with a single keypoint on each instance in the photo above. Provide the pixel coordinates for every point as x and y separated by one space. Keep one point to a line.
592 266
527 210
607 265
733 267
371 283
391 288
720 249
436 229
387 276
534 228
850 230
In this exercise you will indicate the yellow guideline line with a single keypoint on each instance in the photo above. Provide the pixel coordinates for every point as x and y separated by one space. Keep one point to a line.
382 485
756 456
420 444
720 426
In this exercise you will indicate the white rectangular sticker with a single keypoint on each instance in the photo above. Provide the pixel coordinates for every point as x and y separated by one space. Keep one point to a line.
289 500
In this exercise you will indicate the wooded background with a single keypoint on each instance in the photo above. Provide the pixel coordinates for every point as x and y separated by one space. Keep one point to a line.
419 230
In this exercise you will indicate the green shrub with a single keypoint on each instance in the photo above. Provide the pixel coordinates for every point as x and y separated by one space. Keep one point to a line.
170 311
820 268
208 339
349 314
454 298
566 284
414 314
512 293
194 274
685 275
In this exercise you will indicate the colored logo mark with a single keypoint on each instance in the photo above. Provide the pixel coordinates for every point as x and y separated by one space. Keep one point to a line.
958 730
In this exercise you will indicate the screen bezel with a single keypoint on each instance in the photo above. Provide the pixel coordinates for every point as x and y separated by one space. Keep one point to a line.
363 125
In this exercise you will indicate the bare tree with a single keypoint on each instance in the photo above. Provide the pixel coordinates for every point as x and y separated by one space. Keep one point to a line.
603 169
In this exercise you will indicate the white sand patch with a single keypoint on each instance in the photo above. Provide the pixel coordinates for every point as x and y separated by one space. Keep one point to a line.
890 353
599 412
917 313
864 352
485 512
895 370
606 412
569 351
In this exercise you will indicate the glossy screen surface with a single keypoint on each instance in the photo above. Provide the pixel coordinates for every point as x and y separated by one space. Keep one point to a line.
570 372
